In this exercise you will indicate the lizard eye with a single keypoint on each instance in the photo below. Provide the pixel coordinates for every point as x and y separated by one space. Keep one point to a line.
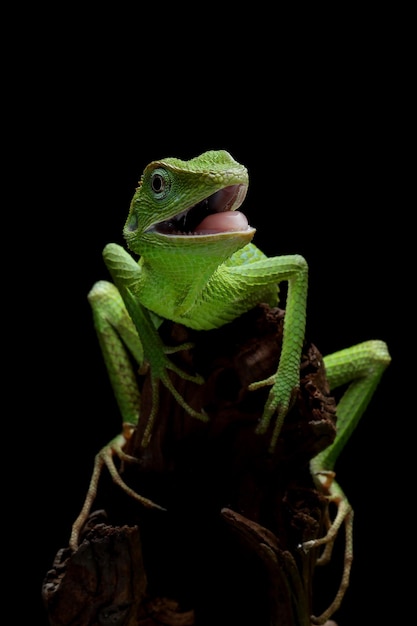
160 183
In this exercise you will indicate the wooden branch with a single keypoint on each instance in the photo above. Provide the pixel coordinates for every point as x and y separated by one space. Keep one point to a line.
225 551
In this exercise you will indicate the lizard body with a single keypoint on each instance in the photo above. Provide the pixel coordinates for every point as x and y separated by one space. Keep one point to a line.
197 266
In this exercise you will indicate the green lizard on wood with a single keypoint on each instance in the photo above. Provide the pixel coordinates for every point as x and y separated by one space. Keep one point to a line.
198 267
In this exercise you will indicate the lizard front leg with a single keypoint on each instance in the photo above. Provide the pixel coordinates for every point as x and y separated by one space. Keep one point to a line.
360 367
286 381
126 275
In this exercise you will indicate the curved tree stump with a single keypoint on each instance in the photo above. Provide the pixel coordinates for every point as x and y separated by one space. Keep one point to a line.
225 550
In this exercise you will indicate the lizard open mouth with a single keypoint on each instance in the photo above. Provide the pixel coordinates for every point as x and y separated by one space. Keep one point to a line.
215 214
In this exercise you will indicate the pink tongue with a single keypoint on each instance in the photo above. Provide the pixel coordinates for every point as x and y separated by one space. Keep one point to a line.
228 221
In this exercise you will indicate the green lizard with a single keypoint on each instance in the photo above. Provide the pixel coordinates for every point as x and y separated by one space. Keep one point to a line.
197 266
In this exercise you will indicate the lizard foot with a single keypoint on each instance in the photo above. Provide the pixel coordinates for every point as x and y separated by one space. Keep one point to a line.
279 401
105 458
344 516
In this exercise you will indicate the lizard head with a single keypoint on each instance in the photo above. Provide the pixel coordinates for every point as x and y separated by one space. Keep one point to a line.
182 204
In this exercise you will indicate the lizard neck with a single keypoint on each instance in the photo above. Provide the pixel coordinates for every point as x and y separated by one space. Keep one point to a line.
171 285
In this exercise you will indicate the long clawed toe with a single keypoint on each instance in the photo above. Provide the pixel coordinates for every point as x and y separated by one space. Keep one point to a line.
344 516
105 458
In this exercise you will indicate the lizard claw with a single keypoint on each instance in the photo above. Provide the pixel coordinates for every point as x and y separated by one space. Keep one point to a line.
269 409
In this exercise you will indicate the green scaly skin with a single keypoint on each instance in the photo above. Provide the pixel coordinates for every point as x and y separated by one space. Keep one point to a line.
197 266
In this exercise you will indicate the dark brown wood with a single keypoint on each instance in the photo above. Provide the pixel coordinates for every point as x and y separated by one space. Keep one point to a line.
225 550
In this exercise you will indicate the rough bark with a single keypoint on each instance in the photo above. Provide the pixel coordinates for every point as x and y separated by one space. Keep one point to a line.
225 550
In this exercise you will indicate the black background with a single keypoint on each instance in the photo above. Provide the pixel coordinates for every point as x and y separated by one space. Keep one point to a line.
324 144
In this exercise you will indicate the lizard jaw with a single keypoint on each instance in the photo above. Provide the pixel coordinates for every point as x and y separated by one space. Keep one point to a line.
213 215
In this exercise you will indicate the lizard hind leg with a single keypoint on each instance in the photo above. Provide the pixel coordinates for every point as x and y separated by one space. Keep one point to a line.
105 458
360 368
